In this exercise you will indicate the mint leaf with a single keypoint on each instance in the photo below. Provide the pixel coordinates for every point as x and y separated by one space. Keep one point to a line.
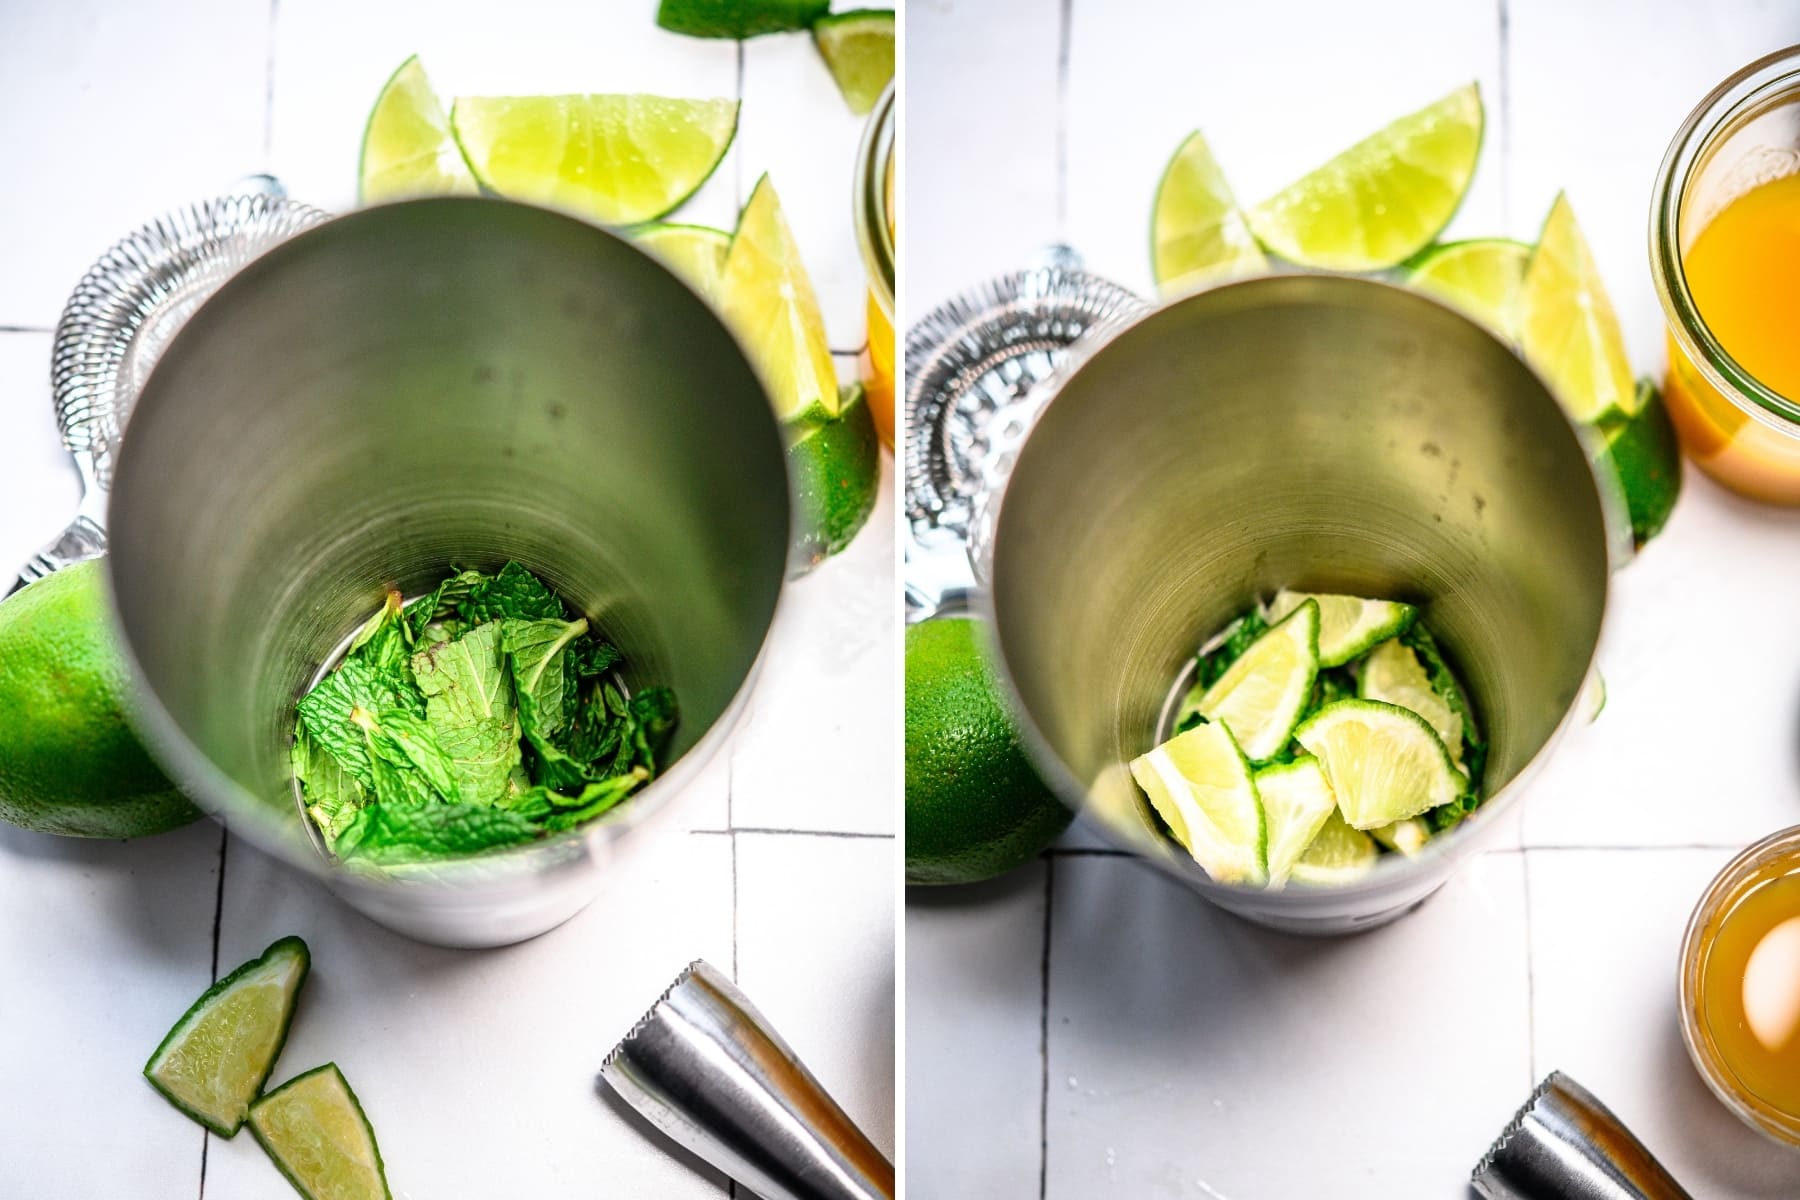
388 835
536 652
333 795
469 706
356 683
556 812
550 766
512 592
439 606
407 764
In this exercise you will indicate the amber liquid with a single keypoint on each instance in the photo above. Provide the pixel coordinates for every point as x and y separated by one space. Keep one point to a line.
1749 994
878 362
1744 272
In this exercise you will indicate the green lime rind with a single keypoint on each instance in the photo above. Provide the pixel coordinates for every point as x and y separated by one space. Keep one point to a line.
738 18
1483 277
1642 456
1384 199
1202 786
229 1112
1385 763
493 133
1297 801
1198 234
367 1174
1262 694
858 49
836 468
1349 626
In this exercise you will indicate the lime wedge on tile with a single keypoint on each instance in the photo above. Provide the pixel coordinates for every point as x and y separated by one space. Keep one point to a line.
858 47
1197 232
1393 674
216 1059
1641 453
315 1131
1385 198
1568 329
768 300
407 149
1338 855
618 160
738 18
1202 788
1296 800
1348 625
694 252
1482 277
1384 762
1261 695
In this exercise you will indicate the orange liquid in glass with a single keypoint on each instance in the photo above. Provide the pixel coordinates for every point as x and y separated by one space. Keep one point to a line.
1744 273
1749 996
878 360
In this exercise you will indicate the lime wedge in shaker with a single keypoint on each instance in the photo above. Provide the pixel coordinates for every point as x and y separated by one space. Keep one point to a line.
1348 625
1338 855
314 1129
1384 762
1393 674
618 160
1197 232
1385 198
1567 326
1482 277
1261 695
1406 837
1296 800
1202 788
694 252
218 1056
858 47
407 149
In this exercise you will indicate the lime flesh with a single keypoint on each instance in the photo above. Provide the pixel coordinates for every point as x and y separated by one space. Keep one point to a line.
1260 696
1348 625
1482 277
1393 674
407 147
1338 855
1197 232
1297 800
315 1131
1385 763
694 252
1567 326
858 47
1201 785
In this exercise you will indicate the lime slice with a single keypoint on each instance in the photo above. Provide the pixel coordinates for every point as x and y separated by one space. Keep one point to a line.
1408 837
316 1133
1197 232
1261 695
1384 199
618 160
1384 762
1296 802
768 300
1642 455
858 46
738 18
407 149
1393 674
1482 277
694 252
1338 855
215 1060
1567 327
1348 625
1202 788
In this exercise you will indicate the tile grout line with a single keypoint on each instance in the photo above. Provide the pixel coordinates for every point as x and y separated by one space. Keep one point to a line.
737 153
218 917
1505 18
269 86
25 329
770 831
1044 1038
1065 31
1530 976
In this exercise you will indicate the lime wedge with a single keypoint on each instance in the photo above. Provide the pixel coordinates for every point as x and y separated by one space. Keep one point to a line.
1197 232
738 18
858 47
1385 198
1408 837
618 160
1202 788
1482 277
1261 695
836 469
1384 762
407 149
1296 802
694 252
1348 625
1592 699
1338 855
1567 327
316 1133
215 1060
768 300
1642 455
1393 674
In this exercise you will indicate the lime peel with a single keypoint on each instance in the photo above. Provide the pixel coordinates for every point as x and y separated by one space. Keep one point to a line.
317 1135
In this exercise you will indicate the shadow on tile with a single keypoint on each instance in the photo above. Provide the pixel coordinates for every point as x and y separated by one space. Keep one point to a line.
657 1138
975 895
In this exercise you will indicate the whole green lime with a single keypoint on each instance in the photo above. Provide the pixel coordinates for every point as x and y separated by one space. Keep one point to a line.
975 808
69 762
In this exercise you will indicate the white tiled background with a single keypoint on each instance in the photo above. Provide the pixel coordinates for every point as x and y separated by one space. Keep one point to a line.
477 1068
1086 1029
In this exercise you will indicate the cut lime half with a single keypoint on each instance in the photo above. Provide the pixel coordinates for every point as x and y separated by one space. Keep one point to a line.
1567 326
1482 277
216 1059
618 160
1260 696
315 1131
1393 674
407 149
1338 855
1348 625
858 47
1202 787
1384 762
694 252
1197 232
768 300
1384 199
1296 800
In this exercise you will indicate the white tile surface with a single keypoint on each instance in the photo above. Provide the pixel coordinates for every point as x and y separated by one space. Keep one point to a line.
38 485
105 945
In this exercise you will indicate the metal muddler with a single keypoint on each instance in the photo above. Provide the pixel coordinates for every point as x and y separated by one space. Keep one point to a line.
1566 1145
707 1069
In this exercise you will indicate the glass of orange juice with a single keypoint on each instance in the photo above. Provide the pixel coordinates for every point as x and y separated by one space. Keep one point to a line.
875 233
1725 252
